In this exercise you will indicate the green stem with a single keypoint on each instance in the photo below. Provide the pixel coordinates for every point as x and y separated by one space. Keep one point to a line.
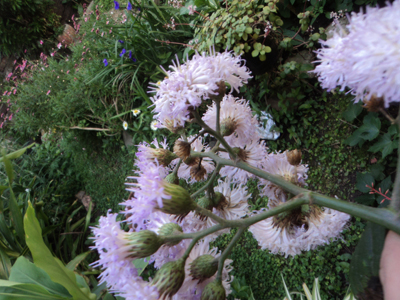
395 205
211 215
227 251
210 181
214 133
218 106
190 247
382 216
175 171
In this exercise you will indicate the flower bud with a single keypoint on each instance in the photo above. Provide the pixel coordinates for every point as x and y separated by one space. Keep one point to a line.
182 149
144 243
163 156
206 203
214 291
241 153
220 201
374 104
172 178
170 229
169 278
198 172
294 157
228 126
180 202
203 267
174 129
219 93
192 161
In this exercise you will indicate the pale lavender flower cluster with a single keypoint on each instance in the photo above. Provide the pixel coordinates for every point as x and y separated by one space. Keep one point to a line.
154 192
367 59
114 257
187 85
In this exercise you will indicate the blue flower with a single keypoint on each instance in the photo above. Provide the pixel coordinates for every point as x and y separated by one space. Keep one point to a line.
134 59
121 41
105 62
122 52
129 7
130 54
116 5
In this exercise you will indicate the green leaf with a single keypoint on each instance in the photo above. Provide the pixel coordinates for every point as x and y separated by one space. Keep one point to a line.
9 168
366 199
10 290
384 144
43 258
141 264
76 261
363 180
18 153
352 111
255 53
5 265
16 216
384 186
24 271
286 289
366 257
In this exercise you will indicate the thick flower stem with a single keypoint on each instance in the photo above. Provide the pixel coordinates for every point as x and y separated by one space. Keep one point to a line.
214 133
209 182
382 216
209 214
395 205
227 251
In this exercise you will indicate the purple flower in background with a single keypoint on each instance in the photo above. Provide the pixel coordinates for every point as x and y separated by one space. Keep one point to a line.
121 41
105 62
122 52
134 59
116 5
129 7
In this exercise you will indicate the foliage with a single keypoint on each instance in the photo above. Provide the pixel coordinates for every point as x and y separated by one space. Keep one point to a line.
24 22
105 78
240 28
262 270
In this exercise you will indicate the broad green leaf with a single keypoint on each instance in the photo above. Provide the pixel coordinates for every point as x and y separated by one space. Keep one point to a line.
18 153
5 265
385 185
10 290
352 111
141 264
8 167
385 144
7 234
76 261
366 199
16 216
363 180
376 170
43 258
24 271
366 257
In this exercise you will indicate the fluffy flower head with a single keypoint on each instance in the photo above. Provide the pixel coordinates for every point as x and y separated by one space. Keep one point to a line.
367 59
188 84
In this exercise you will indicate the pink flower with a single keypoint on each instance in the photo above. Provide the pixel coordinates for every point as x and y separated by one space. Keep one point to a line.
48 92
10 117
68 72
59 46
15 91
5 93
41 42
86 19
9 93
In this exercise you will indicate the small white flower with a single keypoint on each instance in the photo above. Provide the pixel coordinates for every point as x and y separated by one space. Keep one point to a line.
125 125
154 125
136 112
27 190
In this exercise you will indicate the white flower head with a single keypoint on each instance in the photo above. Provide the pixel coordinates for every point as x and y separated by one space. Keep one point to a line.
188 84
284 235
236 118
136 112
125 125
366 60
154 125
